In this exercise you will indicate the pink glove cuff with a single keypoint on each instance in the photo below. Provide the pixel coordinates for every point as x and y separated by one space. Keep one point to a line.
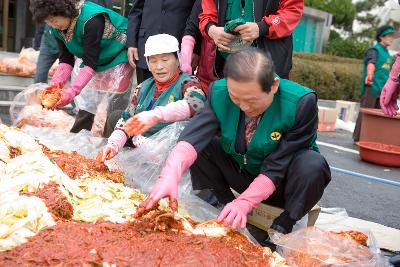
187 46
62 74
260 189
117 139
83 78
179 160
175 111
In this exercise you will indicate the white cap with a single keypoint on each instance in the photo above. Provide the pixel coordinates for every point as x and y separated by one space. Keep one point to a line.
160 44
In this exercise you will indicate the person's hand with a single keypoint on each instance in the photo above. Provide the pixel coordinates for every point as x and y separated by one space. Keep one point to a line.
141 122
186 68
370 70
133 56
195 61
106 153
388 98
61 76
67 95
368 79
235 214
164 187
179 160
248 31
220 37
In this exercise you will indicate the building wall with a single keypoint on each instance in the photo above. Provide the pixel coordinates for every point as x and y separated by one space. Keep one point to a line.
312 33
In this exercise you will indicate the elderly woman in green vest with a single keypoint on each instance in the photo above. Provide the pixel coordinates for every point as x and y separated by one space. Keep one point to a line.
96 35
169 96
256 135
377 64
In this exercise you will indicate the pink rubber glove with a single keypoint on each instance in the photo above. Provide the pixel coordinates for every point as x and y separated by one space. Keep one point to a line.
142 122
391 90
115 143
179 160
83 78
235 212
187 46
62 75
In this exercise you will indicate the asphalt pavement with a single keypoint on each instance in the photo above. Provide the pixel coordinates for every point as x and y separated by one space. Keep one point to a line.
362 198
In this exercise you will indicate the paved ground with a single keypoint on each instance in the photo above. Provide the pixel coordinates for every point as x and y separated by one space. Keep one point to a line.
361 198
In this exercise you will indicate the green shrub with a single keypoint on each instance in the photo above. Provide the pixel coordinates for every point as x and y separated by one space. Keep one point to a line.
349 47
331 77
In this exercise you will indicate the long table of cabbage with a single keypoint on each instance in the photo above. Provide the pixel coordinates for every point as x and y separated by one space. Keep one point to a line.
102 220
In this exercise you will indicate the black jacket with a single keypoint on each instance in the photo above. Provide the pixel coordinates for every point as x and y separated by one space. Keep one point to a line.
150 17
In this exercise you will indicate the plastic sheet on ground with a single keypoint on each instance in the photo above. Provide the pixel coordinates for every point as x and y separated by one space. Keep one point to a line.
25 110
141 166
315 247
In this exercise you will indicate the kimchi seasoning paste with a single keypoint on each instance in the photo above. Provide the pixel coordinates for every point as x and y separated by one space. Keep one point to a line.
55 201
72 243
76 166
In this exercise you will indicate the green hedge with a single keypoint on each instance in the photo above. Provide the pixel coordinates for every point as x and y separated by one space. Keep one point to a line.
330 76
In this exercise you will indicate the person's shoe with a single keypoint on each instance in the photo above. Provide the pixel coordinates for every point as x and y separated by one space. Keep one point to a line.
263 237
395 260
210 198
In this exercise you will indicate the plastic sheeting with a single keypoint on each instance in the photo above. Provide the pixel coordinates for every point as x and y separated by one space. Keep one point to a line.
315 247
25 110
110 88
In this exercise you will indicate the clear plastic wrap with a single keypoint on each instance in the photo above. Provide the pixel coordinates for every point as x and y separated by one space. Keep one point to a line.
111 86
314 247
100 118
25 110
329 244
143 164
57 139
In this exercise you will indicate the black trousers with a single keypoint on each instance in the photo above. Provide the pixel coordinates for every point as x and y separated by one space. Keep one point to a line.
307 176
142 75
367 101
83 120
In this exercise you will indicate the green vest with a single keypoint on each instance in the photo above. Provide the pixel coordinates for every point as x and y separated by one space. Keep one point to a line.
382 69
235 10
146 96
275 121
236 14
112 46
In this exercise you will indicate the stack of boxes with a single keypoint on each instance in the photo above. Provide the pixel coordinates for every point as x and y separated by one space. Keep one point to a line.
344 110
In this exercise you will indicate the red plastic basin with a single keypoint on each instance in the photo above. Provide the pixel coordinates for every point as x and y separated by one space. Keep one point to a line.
381 154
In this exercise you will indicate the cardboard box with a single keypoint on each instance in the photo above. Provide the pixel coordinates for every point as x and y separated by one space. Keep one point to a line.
327 119
263 215
348 111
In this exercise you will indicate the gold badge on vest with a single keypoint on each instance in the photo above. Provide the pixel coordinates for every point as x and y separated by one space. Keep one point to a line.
275 136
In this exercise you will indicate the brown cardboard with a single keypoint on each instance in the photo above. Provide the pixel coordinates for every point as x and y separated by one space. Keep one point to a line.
327 119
